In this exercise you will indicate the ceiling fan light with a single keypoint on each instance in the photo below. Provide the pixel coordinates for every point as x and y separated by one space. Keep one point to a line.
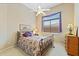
38 13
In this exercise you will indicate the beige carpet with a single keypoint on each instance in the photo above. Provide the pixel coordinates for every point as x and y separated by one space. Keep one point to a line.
59 50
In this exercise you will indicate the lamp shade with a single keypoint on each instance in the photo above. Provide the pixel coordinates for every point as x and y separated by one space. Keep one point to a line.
35 30
70 28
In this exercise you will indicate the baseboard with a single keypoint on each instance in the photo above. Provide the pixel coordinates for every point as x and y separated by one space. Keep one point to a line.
2 50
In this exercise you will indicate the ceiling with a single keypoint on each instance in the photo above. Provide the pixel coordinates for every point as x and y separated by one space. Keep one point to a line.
34 6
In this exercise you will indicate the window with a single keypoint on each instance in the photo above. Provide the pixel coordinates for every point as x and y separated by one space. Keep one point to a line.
52 23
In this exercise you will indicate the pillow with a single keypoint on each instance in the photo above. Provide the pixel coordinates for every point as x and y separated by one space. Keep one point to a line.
26 34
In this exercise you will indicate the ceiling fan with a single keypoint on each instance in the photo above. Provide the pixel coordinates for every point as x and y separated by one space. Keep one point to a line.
41 11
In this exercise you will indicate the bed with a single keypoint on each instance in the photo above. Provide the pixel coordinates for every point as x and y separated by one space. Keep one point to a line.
34 45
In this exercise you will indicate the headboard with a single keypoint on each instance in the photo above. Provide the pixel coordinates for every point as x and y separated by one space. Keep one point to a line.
23 27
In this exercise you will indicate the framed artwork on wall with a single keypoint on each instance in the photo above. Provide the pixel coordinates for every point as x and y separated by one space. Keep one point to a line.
24 27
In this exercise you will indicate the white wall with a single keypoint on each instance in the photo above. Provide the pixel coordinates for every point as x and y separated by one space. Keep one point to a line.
3 24
11 15
77 15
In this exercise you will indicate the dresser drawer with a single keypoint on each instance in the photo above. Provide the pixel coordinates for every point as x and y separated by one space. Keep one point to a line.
73 51
72 45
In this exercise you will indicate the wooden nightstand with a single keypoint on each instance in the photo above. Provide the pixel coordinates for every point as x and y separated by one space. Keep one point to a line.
72 45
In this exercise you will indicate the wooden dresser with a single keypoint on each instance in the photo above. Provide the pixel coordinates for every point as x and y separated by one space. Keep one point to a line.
72 45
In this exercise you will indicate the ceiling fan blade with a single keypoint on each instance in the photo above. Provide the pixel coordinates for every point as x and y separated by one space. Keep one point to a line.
39 7
43 13
45 9
37 13
35 10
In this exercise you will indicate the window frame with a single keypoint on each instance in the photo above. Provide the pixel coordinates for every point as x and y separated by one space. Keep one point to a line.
60 22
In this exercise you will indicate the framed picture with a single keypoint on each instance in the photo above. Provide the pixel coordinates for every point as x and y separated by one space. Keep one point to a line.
23 27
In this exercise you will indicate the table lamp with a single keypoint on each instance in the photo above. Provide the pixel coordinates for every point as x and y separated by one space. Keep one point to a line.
70 28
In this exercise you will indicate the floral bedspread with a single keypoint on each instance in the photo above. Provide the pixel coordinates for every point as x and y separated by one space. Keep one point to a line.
34 44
